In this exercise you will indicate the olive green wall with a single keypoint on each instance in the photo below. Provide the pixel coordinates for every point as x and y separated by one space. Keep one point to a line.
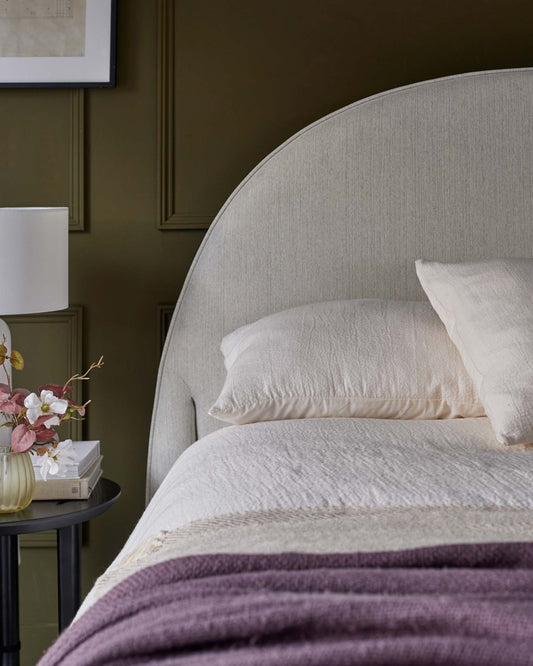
145 166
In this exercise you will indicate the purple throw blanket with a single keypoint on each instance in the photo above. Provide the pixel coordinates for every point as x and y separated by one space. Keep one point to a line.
465 604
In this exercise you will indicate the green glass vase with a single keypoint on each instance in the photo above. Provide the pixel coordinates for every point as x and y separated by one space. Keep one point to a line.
17 480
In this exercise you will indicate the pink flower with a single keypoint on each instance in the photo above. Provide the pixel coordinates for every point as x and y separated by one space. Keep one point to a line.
22 438
43 430
44 435
57 389
73 407
13 404
4 392
35 417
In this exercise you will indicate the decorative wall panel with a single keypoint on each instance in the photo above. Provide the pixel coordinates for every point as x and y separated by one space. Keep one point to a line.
164 315
42 150
168 216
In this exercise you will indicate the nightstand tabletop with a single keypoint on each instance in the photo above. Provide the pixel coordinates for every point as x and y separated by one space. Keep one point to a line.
54 514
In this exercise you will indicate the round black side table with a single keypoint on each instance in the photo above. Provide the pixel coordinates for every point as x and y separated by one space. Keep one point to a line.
65 516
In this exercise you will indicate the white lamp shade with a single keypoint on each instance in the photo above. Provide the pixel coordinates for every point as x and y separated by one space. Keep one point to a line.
33 260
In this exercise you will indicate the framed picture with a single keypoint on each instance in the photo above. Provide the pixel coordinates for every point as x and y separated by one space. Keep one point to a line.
57 43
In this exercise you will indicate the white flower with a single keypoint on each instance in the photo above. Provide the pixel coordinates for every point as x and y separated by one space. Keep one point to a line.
46 404
52 421
48 465
56 459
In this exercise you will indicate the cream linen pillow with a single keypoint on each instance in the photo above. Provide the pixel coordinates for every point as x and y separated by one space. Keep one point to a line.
487 308
365 358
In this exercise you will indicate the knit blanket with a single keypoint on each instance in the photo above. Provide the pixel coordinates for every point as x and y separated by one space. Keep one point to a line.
458 604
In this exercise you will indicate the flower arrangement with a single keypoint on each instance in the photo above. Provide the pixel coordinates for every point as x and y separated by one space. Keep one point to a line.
34 418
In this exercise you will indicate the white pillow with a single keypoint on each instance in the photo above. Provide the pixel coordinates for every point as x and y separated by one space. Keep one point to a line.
487 307
365 358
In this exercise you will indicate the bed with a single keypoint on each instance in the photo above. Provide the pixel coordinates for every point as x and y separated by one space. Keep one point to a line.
346 540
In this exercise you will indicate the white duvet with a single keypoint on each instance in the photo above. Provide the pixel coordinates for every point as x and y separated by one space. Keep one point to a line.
335 484
340 462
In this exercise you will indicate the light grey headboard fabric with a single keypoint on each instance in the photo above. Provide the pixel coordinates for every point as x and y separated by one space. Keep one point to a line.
441 170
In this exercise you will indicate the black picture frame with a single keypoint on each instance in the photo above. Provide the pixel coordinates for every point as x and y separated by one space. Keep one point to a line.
109 10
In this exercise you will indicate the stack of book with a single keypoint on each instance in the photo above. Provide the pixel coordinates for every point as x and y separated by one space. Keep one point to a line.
78 479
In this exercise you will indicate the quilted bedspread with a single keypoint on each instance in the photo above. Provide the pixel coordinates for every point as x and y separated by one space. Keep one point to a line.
330 486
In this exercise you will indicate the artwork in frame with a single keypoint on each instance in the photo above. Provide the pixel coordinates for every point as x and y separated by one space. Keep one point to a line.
57 43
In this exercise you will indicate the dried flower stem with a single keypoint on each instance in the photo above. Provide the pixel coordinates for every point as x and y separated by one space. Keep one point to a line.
84 377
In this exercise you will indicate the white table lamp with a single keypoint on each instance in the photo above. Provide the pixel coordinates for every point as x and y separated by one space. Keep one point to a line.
33 263
33 260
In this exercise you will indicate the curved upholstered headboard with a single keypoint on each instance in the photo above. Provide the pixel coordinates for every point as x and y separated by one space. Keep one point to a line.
441 169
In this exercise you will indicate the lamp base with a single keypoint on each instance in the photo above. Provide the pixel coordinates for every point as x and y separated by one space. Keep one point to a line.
5 334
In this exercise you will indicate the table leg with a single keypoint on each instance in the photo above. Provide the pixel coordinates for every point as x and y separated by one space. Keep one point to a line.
9 604
68 573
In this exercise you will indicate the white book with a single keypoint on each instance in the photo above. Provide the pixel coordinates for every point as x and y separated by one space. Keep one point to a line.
85 452
60 489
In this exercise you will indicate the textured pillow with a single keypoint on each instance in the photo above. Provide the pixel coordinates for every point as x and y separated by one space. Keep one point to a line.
366 358
487 308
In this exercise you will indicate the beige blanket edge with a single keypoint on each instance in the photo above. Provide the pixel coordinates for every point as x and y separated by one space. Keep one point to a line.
321 530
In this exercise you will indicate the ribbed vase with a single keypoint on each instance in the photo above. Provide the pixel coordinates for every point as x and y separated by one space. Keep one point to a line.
17 480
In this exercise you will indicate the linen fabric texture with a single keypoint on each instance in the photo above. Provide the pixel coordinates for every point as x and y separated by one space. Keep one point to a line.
487 308
333 485
359 358
461 605
341 211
